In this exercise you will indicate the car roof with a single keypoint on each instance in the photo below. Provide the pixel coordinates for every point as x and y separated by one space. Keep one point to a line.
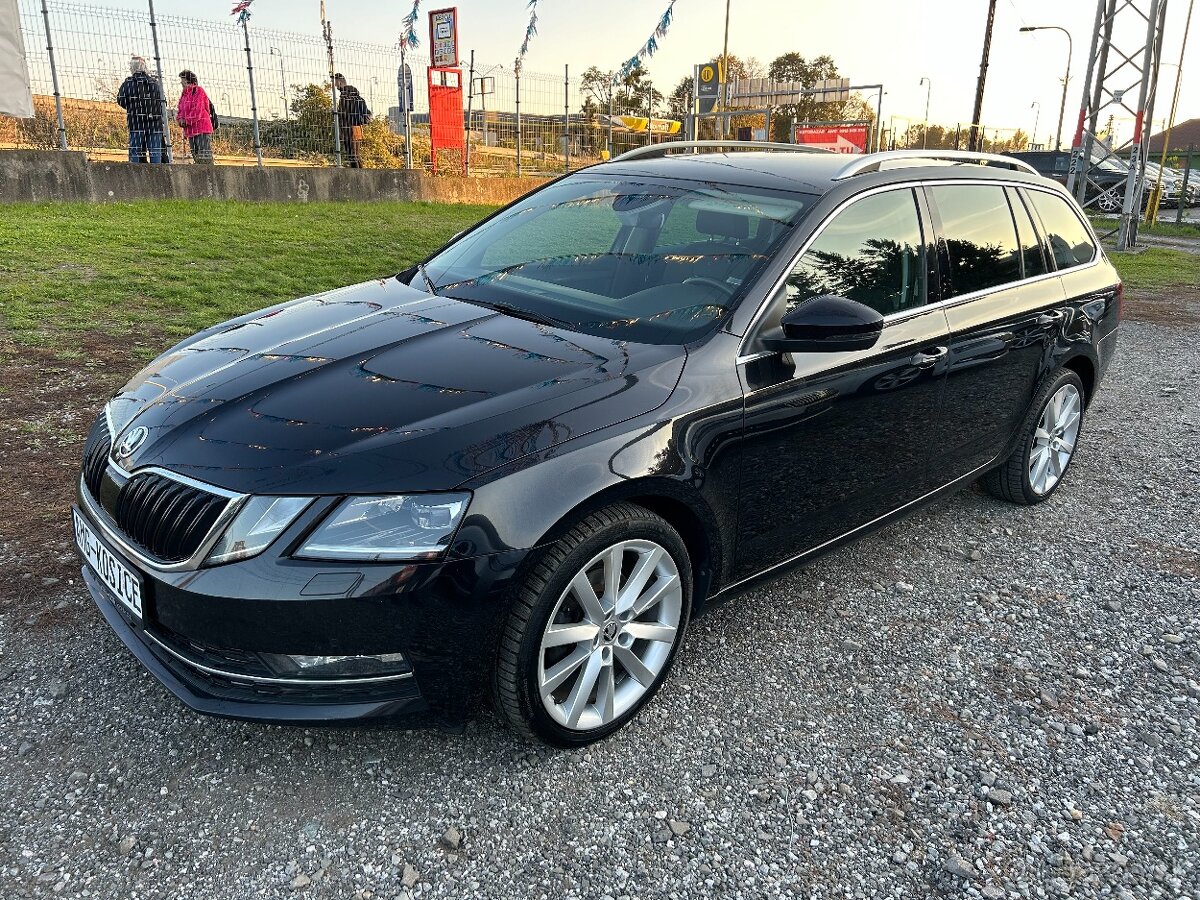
812 173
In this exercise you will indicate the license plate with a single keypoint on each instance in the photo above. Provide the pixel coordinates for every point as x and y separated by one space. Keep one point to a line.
117 577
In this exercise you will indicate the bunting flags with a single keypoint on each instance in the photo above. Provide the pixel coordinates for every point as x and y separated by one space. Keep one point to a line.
649 48
408 30
241 9
530 31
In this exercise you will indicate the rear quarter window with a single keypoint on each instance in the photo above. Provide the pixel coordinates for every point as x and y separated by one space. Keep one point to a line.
1068 238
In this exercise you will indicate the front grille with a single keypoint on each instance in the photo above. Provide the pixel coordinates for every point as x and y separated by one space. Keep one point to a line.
95 455
166 518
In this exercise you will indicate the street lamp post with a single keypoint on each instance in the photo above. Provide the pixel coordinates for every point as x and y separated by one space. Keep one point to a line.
1036 118
925 129
1062 107
275 51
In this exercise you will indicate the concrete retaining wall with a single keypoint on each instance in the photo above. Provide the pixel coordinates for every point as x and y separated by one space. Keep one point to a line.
39 175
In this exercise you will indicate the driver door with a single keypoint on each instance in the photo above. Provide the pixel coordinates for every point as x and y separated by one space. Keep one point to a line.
834 440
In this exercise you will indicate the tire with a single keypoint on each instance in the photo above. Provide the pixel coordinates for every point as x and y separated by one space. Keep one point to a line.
556 626
1022 478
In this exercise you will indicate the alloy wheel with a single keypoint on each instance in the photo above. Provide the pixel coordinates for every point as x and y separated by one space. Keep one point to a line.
1108 201
610 635
1054 438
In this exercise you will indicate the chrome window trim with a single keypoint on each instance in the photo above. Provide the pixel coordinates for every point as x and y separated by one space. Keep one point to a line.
260 679
888 319
111 533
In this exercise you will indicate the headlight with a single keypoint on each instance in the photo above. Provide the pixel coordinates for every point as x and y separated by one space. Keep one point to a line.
258 523
370 529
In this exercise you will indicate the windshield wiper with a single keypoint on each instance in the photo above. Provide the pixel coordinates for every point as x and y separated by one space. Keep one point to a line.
428 281
528 315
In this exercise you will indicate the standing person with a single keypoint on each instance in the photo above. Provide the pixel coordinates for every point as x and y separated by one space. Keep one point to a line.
195 116
353 114
141 98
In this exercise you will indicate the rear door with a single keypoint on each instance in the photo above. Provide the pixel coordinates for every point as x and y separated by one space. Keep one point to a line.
1005 307
834 440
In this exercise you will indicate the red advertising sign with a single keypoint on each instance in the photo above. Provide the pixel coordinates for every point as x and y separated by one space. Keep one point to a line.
838 138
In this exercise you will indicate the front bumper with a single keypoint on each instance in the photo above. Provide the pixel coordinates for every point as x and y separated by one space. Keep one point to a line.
201 631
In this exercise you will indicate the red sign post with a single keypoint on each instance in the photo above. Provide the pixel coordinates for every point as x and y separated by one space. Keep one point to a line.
445 87
848 138
446 114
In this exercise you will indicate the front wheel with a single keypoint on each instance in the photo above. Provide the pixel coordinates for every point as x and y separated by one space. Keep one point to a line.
1049 434
595 627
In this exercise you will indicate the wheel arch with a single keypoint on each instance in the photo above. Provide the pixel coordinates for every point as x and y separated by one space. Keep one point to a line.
1085 368
682 508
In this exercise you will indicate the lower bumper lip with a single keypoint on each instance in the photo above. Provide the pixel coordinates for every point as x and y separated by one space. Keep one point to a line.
189 683
259 679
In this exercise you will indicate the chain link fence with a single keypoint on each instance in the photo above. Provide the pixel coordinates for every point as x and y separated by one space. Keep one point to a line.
80 60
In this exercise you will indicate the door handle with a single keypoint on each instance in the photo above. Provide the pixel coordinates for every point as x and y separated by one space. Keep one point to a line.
928 359
1051 318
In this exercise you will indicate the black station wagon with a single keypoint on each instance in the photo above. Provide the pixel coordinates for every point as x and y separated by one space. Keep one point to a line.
517 470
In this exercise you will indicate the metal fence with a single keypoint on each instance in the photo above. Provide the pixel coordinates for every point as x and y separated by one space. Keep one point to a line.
79 55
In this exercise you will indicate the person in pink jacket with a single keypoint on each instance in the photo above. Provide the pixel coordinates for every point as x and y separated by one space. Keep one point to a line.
195 116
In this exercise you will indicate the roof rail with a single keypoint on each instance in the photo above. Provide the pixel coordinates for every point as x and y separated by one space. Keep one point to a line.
666 146
873 162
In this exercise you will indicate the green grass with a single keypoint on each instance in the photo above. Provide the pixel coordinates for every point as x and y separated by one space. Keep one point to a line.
1158 229
1156 268
148 272
170 268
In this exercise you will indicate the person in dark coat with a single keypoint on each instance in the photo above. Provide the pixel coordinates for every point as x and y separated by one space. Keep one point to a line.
353 114
141 98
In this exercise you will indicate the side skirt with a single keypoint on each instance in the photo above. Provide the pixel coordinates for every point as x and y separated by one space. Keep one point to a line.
738 587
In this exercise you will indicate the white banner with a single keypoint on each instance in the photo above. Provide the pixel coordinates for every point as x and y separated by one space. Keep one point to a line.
15 96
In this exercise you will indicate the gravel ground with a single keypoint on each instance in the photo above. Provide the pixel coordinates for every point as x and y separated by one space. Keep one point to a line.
981 700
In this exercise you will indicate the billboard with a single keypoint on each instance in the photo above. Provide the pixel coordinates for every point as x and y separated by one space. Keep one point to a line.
847 138
443 38
642 124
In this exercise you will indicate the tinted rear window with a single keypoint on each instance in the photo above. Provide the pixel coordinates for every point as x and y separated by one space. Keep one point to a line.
1066 234
978 228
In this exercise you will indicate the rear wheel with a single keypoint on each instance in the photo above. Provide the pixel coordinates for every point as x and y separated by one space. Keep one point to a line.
595 628
1049 434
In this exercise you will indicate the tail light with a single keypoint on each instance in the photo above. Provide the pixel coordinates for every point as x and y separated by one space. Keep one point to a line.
1120 300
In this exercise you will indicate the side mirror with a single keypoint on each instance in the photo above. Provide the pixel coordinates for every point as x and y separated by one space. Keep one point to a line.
827 324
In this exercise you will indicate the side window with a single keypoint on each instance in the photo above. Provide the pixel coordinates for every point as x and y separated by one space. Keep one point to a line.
871 252
1031 248
1068 237
977 226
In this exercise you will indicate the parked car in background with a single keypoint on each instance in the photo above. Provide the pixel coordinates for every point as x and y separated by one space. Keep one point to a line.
1109 178
518 469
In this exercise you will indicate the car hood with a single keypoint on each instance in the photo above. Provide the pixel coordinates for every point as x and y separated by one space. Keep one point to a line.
377 388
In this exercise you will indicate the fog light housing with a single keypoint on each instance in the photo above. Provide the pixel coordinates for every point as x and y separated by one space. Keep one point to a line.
326 668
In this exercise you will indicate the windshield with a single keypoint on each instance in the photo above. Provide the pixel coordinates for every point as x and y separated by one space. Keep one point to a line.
638 259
